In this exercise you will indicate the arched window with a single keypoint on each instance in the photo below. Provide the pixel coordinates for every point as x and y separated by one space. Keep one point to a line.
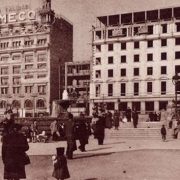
28 104
40 103
3 104
16 104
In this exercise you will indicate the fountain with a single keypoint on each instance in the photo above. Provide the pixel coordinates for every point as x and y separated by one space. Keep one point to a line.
60 106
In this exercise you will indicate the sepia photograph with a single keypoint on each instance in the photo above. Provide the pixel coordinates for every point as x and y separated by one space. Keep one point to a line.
89 89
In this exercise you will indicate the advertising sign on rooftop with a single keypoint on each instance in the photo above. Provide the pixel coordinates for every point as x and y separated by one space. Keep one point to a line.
17 14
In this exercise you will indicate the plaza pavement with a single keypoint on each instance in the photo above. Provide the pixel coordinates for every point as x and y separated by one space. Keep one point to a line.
111 145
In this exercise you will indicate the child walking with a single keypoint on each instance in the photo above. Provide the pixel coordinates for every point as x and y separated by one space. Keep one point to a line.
60 171
163 133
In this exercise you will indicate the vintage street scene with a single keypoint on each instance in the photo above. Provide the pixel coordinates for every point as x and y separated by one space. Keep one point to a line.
89 90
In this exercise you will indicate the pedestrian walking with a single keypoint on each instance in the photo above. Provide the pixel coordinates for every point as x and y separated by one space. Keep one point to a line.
70 136
34 131
60 171
100 129
163 133
54 130
176 129
82 134
14 146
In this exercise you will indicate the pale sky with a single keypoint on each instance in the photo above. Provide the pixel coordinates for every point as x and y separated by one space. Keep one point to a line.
82 14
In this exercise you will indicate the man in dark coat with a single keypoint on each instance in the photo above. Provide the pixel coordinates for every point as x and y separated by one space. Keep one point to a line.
116 119
109 120
70 136
100 129
128 114
82 133
163 132
135 118
14 145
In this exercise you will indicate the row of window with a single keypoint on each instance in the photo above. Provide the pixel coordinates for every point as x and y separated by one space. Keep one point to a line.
16 44
149 105
41 89
17 80
27 58
137 30
40 103
123 58
150 44
136 72
17 69
149 88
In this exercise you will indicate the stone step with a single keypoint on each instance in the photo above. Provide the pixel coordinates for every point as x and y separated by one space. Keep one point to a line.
142 124
146 133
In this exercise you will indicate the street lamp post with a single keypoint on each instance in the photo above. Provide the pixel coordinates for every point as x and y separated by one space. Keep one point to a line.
175 80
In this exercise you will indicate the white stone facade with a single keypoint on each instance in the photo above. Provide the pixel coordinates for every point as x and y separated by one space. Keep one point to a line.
134 63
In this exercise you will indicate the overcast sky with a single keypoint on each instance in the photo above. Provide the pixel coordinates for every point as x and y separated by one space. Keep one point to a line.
82 14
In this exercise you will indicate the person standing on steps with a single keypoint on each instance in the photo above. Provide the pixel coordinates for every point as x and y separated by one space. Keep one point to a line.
100 128
128 114
163 132
135 118
116 119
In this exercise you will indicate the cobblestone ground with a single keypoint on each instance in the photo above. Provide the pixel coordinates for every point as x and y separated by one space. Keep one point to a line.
127 165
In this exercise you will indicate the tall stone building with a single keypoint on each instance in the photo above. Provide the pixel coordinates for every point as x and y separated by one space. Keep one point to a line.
135 56
33 45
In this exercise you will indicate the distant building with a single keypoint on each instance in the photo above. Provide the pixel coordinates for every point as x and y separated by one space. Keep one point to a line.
135 56
77 81
33 45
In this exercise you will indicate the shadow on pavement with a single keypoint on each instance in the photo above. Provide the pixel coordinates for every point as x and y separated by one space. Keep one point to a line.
122 142
99 149
91 155
91 179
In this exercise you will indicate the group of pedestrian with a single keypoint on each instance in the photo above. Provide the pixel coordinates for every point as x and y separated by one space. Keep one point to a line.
154 116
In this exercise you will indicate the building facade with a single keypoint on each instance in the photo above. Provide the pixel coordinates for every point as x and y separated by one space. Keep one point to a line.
33 44
77 83
135 56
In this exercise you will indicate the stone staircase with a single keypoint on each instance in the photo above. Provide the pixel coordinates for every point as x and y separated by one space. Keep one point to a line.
145 130
142 124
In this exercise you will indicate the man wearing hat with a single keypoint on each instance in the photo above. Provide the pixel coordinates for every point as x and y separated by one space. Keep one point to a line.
70 136
8 122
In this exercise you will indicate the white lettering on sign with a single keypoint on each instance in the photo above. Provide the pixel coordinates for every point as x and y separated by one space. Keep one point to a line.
22 16
3 18
17 16
12 17
31 15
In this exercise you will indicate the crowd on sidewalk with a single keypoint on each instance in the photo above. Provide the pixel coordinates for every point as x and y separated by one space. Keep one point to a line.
15 140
